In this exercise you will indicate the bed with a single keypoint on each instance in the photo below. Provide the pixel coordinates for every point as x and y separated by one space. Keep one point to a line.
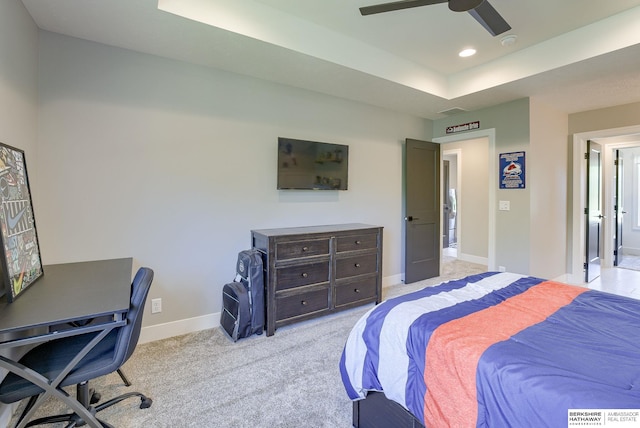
494 349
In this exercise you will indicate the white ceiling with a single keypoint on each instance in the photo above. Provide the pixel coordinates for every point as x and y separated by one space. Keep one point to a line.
576 55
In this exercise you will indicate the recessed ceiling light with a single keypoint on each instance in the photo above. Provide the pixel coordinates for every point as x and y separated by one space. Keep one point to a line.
467 52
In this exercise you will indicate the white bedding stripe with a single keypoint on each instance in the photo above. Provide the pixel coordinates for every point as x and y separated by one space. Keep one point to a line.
394 361
355 351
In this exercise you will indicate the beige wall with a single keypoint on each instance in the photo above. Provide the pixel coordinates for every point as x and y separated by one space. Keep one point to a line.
174 164
605 118
548 160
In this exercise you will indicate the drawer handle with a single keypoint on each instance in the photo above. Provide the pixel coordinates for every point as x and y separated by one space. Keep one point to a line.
304 274
357 290
304 303
358 242
304 249
357 265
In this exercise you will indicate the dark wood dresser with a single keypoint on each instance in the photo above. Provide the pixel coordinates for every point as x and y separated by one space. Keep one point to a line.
316 270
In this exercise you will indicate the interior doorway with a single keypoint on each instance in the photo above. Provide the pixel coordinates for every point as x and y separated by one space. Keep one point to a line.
626 206
611 140
475 231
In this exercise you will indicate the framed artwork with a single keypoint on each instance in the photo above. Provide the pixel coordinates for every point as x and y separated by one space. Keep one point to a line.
512 170
20 260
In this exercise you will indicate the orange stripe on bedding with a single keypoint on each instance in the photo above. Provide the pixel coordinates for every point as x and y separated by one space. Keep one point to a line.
455 348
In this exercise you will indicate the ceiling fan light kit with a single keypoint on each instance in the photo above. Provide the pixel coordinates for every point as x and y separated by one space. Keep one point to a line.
481 10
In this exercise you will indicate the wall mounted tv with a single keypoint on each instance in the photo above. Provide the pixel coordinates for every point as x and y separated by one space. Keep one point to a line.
312 165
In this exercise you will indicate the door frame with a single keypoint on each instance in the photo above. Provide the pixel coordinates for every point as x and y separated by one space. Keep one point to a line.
490 134
594 211
578 225
458 155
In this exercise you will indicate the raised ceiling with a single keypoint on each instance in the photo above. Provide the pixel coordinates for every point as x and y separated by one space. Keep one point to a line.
575 55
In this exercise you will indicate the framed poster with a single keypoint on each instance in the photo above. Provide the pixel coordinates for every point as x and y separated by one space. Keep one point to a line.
512 170
20 260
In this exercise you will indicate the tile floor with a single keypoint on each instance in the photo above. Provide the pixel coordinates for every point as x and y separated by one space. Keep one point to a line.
630 262
616 280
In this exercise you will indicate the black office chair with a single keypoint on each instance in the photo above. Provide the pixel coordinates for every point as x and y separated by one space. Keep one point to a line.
106 357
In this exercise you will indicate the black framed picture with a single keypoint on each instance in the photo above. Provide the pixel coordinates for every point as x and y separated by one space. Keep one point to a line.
20 260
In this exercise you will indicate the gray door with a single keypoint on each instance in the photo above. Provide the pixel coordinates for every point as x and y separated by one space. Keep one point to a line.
618 208
593 211
422 210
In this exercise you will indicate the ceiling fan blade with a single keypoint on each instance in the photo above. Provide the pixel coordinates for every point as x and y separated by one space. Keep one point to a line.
397 5
490 19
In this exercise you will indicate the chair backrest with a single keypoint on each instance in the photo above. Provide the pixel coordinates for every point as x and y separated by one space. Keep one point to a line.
128 335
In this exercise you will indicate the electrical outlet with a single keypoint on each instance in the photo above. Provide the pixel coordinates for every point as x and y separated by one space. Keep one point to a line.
156 305
502 269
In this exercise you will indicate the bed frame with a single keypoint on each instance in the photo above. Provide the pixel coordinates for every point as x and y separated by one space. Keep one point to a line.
377 411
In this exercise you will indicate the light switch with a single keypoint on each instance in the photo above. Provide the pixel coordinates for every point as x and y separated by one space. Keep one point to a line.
504 205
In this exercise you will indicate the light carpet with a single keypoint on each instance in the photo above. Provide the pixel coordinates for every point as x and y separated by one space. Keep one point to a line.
203 379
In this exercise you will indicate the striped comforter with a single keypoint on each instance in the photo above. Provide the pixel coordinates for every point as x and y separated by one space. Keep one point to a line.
498 350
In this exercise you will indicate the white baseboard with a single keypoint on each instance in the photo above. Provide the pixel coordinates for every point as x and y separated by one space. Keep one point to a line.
392 280
178 328
473 259
191 325
629 251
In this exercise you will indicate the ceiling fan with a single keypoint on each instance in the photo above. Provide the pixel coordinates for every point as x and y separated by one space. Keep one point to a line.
481 10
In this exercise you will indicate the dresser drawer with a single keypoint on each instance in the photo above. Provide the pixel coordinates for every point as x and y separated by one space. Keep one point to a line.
356 242
296 249
314 300
359 265
299 275
363 289
317 270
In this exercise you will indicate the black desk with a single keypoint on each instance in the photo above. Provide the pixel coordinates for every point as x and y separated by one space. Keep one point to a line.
66 293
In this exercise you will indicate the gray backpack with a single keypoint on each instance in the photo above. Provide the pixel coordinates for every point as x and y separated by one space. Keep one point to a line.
243 299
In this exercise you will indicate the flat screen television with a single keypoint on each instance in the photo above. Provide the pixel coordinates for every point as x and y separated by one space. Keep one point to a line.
312 165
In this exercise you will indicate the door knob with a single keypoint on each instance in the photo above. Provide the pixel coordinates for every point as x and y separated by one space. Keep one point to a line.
411 218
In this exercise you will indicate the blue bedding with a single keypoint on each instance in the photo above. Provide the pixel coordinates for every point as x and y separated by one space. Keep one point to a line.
498 350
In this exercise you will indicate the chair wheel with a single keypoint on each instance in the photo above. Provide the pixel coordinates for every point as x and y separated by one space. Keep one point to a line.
145 403
95 397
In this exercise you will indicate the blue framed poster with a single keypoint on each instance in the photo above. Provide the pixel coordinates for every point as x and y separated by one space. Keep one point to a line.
512 170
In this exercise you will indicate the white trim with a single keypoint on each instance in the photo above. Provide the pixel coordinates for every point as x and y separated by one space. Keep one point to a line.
490 134
635 188
473 259
392 280
576 276
204 322
459 200
178 328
